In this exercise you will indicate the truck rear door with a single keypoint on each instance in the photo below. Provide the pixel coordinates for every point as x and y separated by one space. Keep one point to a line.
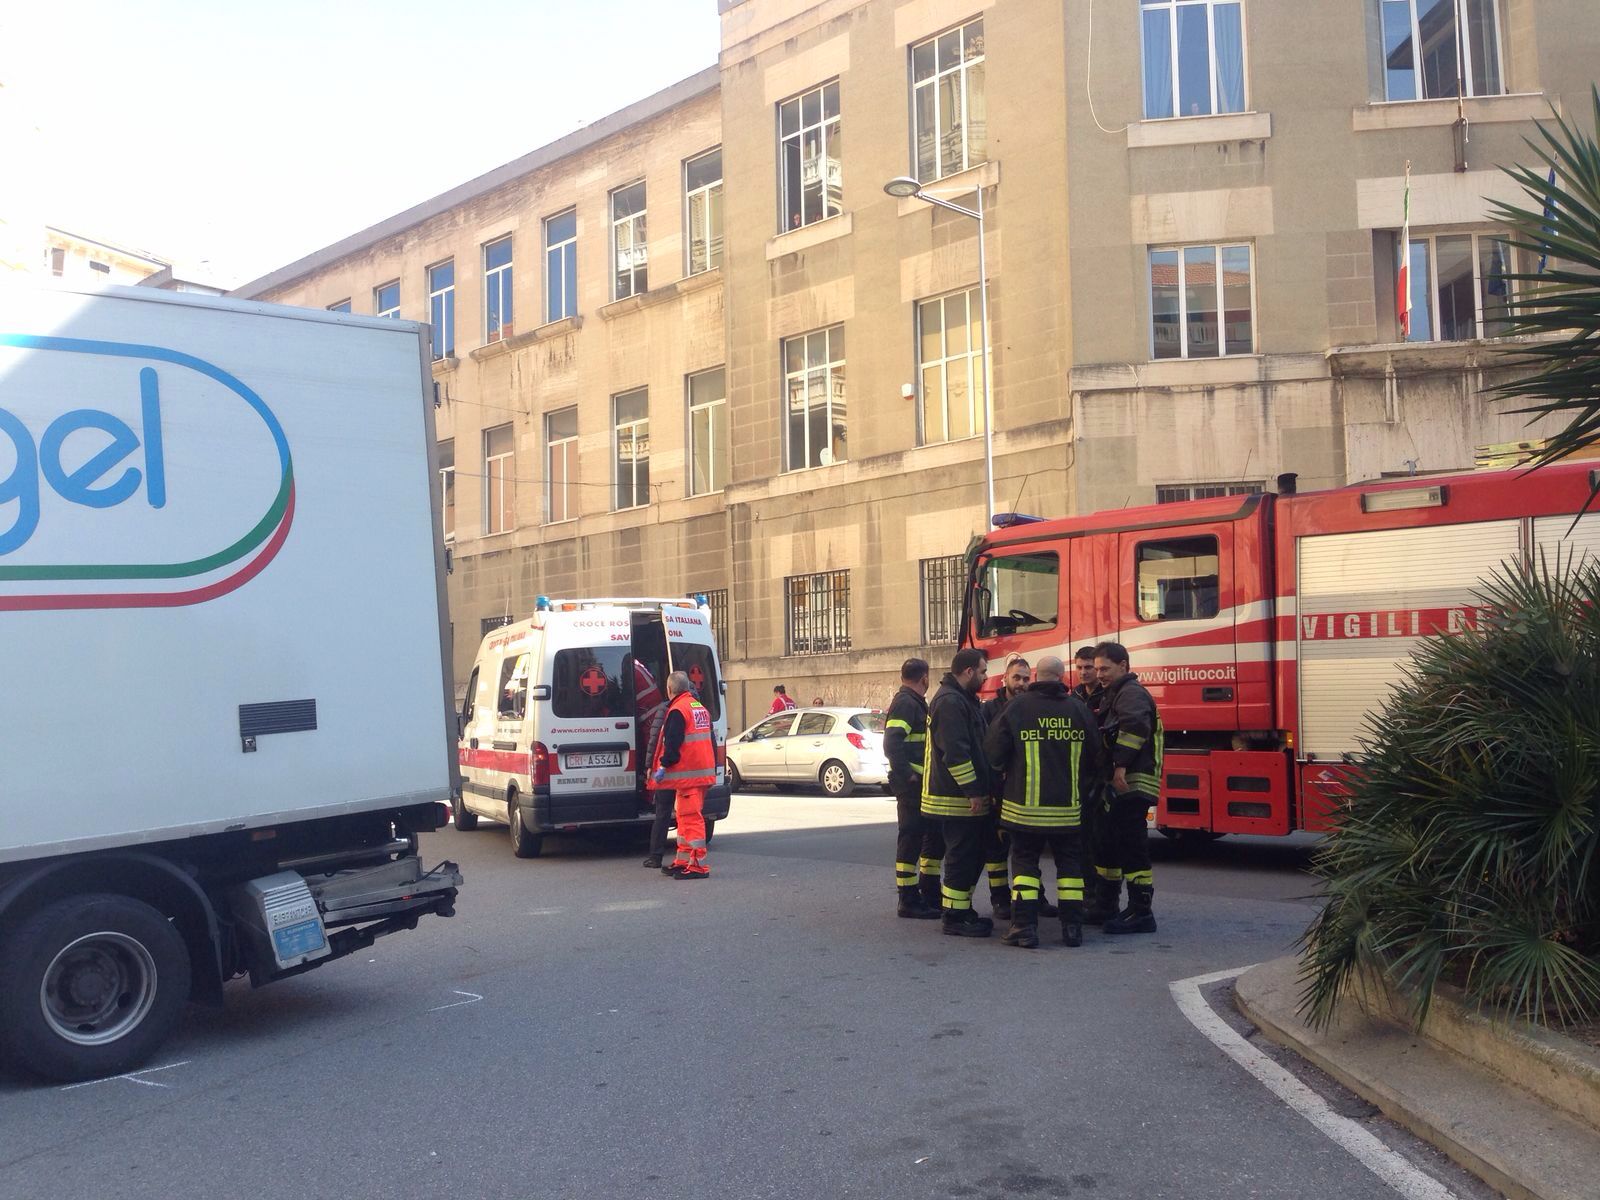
1177 612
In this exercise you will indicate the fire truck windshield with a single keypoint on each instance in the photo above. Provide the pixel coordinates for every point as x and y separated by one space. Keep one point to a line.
1018 593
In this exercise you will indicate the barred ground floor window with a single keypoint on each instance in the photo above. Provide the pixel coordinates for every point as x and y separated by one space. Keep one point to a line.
943 582
817 613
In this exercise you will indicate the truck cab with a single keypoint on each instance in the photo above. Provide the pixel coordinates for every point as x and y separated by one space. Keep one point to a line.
563 709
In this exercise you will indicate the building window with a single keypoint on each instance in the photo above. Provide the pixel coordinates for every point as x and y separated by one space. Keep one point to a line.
1178 579
561 465
442 308
1461 287
950 355
1197 310
814 407
629 251
103 268
708 432
498 315
1193 58
341 306
817 613
447 487
58 260
487 626
1172 493
499 484
947 103
386 300
630 423
944 581
808 132
702 205
717 603
561 266
1438 48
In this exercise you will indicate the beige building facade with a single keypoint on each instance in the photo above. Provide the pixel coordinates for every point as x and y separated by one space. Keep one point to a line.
696 348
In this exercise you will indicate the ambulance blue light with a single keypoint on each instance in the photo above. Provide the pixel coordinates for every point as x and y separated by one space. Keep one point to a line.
542 604
700 600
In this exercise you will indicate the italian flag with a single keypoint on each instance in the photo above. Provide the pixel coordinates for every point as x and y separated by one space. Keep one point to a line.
1403 287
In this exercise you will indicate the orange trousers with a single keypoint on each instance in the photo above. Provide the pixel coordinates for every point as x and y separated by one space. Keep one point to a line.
691 856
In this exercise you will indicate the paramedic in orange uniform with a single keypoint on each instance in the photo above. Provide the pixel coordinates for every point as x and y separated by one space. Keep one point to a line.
686 762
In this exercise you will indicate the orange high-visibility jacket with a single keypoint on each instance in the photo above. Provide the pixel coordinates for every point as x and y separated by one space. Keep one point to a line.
697 758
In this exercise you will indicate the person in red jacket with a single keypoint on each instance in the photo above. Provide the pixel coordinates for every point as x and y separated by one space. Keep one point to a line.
780 700
686 762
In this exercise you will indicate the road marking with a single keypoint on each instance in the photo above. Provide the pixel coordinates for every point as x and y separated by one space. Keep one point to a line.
131 1077
472 998
1393 1168
629 906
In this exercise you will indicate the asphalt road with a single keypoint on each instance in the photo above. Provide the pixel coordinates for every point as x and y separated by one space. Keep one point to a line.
586 1028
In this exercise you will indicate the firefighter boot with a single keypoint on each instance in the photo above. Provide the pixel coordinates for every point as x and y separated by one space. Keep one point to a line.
966 923
1024 931
1046 909
1137 917
1000 903
1107 895
914 906
932 893
1072 922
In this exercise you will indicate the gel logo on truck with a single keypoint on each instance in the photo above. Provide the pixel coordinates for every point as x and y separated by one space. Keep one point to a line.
203 487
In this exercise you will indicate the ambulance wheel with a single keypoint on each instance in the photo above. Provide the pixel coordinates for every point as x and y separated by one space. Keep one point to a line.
464 820
735 780
524 843
96 984
836 779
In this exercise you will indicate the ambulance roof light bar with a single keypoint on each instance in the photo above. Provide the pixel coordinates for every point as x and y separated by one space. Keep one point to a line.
542 604
1403 498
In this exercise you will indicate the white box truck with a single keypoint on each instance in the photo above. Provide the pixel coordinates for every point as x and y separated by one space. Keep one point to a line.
227 710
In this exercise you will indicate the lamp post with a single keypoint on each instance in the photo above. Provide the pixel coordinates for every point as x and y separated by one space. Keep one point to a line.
904 187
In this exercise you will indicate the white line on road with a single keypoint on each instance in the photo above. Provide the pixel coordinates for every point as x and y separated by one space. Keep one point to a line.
629 906
1389 1166
472 998
131 1077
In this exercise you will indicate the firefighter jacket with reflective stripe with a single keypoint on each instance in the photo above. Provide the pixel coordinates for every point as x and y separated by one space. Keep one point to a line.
1131 729
905 733
685 751
1046 745
955 771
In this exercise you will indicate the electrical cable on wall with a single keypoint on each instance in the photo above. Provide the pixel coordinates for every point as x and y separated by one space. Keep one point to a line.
1088 79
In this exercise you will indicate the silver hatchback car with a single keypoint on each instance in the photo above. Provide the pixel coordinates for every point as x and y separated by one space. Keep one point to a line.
835 748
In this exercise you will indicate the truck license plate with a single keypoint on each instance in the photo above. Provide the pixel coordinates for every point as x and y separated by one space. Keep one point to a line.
604 758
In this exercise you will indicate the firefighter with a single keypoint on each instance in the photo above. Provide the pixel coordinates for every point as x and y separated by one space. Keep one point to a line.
1103 899
1130 728
1013 682
919 845
1046 744
686 762
956 787
1088 686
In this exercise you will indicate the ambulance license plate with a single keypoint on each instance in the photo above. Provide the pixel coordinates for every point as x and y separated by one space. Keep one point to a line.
604 758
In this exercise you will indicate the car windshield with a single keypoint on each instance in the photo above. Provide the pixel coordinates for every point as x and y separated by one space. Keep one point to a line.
868 722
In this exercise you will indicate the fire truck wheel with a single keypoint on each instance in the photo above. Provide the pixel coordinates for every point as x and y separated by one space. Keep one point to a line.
524 842
836 779
97 984
464 820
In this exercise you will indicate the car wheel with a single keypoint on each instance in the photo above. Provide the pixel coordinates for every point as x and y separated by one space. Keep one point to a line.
94 985
464 820
836 779
735 780
524 843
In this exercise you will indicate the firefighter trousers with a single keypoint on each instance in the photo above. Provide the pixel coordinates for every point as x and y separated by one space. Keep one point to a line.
994 856
691 856
1128 839
1066 849
964 841
918 846
1097 848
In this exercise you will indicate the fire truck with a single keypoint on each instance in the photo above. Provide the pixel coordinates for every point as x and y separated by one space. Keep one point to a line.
1269 627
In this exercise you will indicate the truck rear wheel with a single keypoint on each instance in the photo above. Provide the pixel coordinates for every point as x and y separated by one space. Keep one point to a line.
97 983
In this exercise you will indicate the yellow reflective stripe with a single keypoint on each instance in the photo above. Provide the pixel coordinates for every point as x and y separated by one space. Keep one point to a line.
1136 878
1046 816
946 806
1030 794
916 737
963 772
955 899
929 866
916 768
1068 888
897 723
1130 741
695 773
1026 881
1077 749
1110 874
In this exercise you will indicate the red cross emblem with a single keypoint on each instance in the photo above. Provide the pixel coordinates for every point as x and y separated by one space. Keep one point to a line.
592 681
696 675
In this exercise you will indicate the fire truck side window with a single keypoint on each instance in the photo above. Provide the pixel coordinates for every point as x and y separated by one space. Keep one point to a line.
1178 579
514 687
1018 593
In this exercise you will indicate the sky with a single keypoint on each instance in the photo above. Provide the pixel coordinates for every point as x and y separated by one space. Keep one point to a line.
235 137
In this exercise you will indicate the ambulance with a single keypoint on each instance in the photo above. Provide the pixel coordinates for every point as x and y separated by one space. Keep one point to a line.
562 710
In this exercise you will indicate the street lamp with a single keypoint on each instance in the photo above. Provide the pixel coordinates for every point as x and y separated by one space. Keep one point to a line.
904 188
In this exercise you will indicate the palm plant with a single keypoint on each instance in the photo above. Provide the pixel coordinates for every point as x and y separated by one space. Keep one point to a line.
1560 376
1470 850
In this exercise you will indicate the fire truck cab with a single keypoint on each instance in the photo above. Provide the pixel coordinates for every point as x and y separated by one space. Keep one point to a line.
562 711
1268 628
